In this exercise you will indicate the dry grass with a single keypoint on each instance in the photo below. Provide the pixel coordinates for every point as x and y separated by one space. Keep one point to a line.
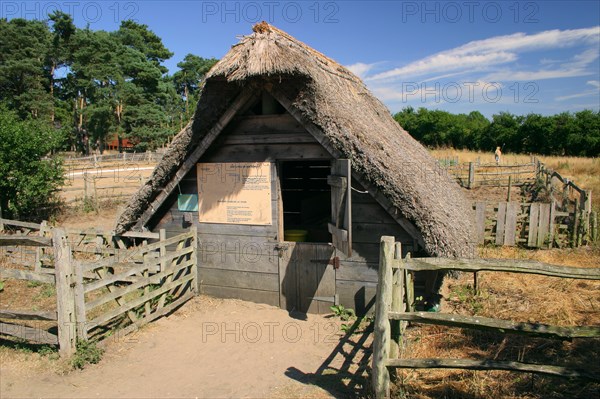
519 297
585 172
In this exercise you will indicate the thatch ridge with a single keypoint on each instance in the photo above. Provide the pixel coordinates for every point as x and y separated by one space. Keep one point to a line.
354 123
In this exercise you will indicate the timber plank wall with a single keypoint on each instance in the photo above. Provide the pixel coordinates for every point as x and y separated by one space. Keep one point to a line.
241 261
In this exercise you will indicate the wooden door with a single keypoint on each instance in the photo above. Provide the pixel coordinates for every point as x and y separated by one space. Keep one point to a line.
307 279
341 205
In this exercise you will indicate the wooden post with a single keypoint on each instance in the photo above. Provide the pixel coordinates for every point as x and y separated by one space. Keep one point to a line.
397 304
1 222
85 188
65 294
381 341
79 296
471 181
552 225
96 198
162 236
586 212
509 187
409 287
39 252
575 225
195 255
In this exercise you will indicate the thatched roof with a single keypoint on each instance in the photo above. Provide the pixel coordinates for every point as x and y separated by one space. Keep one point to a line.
346 119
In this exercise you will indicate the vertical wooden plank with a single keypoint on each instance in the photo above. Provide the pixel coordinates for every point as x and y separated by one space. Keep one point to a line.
195 267
575 225
534 212
510 227
287 277
397 302
81 316
586 211
162 236
381 341
39 251
471 182
500 223
552 226
341 200
480 221
409 287
543 224
65 297
280 227
325 274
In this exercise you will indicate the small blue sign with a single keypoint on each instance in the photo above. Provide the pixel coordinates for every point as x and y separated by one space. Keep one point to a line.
187 202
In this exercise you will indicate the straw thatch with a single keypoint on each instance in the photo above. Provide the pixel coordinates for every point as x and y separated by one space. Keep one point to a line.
352 123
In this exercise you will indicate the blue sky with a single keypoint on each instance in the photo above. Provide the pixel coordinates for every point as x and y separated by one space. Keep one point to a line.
459 56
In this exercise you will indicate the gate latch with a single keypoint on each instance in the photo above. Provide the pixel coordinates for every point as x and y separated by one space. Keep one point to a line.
335 261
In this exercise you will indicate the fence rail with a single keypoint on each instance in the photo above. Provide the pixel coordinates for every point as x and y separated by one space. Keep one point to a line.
475 174
103 282
395 306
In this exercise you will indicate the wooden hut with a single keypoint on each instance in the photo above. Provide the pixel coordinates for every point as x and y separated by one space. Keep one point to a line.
286 146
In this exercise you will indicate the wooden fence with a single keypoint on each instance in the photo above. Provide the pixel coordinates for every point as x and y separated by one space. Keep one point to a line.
95 160
475 174
534 225
103 282
395 307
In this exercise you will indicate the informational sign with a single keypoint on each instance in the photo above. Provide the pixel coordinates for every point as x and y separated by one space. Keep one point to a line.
235 193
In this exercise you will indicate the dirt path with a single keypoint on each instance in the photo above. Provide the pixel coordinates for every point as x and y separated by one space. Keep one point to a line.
209 348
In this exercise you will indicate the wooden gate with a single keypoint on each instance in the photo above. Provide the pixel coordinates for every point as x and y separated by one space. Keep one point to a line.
307 276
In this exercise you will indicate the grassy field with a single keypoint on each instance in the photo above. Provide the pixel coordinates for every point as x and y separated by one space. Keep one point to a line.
585 172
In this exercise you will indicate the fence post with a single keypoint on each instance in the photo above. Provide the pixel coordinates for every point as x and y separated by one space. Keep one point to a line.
381 342
397 304
39 252
409 287
587 210
196 266
574 232
471 181
85 188
552 225
1 222
65 294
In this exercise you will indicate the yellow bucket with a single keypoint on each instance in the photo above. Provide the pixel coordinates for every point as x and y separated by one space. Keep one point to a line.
295 235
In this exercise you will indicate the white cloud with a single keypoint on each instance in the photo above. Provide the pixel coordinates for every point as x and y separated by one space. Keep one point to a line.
594 83
360 69
577 66
587 93
495 51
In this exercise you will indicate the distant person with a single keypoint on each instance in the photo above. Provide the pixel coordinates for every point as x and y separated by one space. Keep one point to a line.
497 155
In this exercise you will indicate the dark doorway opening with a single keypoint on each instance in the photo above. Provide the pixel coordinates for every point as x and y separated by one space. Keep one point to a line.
306 198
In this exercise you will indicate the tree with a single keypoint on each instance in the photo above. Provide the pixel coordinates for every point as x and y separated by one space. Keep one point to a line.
29 181
24 81
187 80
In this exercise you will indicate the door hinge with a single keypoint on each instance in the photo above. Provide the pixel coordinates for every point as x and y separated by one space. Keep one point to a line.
335 262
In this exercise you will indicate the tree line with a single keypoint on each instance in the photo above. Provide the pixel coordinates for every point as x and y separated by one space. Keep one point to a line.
576 134
94 86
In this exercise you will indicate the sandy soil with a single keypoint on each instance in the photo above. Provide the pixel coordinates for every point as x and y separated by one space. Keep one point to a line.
210 348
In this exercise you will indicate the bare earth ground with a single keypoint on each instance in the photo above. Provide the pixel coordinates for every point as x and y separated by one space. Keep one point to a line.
209 348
